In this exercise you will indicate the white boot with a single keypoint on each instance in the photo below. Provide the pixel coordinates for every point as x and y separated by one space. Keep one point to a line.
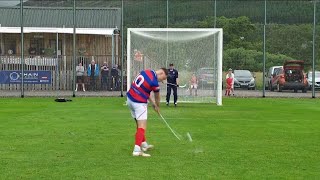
140 153
145 146
137 152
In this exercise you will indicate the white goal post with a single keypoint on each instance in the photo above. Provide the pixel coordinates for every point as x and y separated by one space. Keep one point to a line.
195 52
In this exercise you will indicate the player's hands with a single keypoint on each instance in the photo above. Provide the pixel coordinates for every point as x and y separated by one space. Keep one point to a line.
156 108
177 85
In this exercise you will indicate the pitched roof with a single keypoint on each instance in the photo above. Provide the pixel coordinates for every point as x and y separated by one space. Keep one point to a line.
59 17
69 3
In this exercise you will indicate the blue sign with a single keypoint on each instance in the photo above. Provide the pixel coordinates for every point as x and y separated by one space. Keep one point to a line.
29 77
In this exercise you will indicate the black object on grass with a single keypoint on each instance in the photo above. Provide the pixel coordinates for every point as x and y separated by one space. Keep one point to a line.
62 100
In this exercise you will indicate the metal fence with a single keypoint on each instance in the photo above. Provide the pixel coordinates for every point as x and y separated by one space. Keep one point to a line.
61 70
257 35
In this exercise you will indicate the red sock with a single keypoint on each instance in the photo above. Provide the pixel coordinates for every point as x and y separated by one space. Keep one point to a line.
139 136
144 138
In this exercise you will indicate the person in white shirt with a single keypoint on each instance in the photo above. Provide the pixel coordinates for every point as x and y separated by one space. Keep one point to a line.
231 75
80 78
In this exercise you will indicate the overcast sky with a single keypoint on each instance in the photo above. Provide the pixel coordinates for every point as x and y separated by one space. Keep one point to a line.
8 3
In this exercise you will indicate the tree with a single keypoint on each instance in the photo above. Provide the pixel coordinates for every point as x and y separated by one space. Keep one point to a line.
236 31
252 60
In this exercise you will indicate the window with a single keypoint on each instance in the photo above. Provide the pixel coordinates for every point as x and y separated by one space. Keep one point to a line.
10 43
53 45
36 45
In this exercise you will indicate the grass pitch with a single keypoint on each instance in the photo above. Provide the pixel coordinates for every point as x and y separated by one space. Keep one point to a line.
92 138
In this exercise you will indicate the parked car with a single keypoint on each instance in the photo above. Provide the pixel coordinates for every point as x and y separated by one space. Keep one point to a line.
290 77
244 79
316 80
269 74
205 77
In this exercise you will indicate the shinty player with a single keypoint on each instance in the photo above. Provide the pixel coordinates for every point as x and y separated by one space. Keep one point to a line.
137 101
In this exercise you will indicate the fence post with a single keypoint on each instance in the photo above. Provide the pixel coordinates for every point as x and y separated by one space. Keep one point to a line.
74 50
122 49
22 49
264 51
314 46
57 63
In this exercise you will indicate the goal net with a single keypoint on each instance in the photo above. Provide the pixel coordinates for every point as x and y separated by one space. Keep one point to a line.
196 54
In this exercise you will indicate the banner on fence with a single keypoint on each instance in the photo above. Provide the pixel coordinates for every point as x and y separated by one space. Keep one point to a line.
29 77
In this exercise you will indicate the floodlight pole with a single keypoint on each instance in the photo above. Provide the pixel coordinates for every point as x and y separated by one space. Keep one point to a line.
264 51
313 46
74 49
22 49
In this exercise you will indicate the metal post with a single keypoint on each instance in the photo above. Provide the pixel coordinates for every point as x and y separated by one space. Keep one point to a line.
22 49
216 53
313 47
116 54
264 51
74 49
64 62
122 49
112 50
1 43
215 13
57 61
167 13
167 32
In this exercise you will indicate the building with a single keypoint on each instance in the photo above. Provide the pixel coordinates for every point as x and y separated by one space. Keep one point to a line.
48 41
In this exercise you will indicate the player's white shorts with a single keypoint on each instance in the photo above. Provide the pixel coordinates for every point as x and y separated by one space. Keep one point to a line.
194 86
139 111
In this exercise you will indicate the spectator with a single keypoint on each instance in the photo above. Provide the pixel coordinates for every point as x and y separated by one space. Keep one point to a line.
115 77
228 86
230 76
104 76
193 84
32 51
93 73
80 78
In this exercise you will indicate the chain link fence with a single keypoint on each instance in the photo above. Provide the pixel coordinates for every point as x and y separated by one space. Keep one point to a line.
58 35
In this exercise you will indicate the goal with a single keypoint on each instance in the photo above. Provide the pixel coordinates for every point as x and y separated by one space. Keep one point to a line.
196 54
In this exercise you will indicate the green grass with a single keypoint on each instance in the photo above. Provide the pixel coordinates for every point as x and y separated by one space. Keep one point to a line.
92 138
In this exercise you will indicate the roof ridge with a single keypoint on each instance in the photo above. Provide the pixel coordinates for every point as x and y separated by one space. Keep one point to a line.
63 8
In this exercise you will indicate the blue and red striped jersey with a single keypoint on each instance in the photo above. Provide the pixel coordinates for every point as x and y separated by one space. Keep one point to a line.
142 85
